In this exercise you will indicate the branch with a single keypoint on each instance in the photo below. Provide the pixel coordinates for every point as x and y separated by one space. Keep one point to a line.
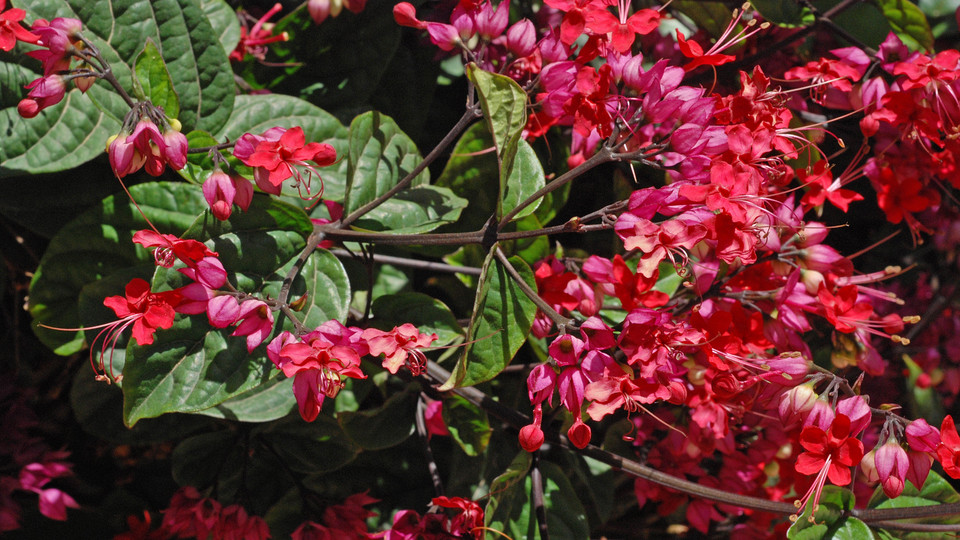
517 419
562 322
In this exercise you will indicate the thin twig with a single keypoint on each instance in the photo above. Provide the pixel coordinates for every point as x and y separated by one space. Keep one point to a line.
536 487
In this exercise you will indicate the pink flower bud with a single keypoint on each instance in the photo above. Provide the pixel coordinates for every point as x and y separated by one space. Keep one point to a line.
175 151
219 191
540 384
597 335
868 466
406 15
892 465
444 36
257 323
319 10
579 433
566 350
490 22
796 403
857 410
244 192
28 108
922 437
433 418
522 38
223 310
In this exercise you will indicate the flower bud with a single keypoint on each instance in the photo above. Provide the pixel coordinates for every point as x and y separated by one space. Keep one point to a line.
892 465
406 15
522 38
319 10
922 437
531 438
796 403
579 434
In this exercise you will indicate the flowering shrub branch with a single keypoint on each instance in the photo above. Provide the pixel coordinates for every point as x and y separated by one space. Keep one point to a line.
696 317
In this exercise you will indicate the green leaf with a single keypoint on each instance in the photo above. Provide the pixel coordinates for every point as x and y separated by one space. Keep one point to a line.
154 81
864 21
510 508
504 109
98 408
383 427
257 113
909 22
194 460
502 318
199 165
193 366
712 17
525 179
98 244
467 423
469 173
380 156
75 131
266 403
783 12
936 490
414 211
62 136
224 21
834 502
189 367
337 65
428 314
309 447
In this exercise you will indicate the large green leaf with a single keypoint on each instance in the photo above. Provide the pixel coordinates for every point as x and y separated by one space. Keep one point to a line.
265 403
61 137
829 521
98 244
936 490
193 366
510 509
187 41
336 65
153 80
75 130
909 22
471 173
257 113
309 447
380 156
504 109
414 211
467 423
502 318
225 23
383 427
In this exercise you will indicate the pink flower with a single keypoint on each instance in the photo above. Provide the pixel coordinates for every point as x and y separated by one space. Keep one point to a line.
397 344
147 311
280 154
44 92
257 323
147 148
169 248
222 190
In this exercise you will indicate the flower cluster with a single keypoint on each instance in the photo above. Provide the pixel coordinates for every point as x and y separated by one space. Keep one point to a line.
140 144
280 154
190 515
321 360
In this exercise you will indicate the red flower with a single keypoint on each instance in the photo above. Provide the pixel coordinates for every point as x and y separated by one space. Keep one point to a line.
833 449
10 29
948 452
146 310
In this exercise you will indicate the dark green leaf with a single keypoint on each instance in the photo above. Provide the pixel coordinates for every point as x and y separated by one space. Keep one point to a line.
470 174
383 427
936 490
414 211
380 156
525 178
153 80
865 22
909 22
194 460
268 402
712 17
502 318
783 12
467 423
834 502
510 509
504 109
336 65
309 447
224 21
97 244
199 165
428 314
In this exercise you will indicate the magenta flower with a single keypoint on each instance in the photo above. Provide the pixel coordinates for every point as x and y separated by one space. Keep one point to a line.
399 344
279 154
44 92
256 322
892 465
